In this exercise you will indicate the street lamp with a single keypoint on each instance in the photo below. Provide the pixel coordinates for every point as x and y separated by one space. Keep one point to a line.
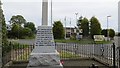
70 27
108 28
76 17
65 27
77 33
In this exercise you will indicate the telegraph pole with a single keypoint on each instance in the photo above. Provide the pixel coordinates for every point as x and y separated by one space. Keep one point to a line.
70 27
108 28
65 26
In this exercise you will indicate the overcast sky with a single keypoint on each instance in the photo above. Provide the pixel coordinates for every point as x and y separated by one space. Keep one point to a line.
31 10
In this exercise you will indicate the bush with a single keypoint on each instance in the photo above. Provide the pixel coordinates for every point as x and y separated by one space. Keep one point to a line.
111 33
73 38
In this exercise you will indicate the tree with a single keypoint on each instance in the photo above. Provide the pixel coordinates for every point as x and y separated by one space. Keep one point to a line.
85 27
18 19
3 35
3 26
20 32
26 32
31 26
111 33
95 27
58 30
104 32
16 31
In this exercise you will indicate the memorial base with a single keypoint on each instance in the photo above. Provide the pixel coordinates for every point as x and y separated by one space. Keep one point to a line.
44 57
55 66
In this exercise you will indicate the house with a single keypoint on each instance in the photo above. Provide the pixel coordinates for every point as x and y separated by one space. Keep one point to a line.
70 31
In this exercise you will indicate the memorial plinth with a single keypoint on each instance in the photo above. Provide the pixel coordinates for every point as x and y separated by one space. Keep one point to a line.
44 55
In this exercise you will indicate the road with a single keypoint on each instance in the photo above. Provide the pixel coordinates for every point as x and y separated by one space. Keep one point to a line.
32 41
24 41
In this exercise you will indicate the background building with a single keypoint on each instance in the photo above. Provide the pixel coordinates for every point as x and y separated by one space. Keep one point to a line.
70 31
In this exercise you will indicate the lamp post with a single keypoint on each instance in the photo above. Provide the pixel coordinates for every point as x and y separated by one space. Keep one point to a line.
77 33
70 27
76 17
65 27
108 28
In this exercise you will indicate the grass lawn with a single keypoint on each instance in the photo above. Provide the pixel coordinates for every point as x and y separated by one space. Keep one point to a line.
85 41
65 54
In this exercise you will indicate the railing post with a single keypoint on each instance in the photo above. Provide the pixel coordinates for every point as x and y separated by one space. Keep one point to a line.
10 50
114 55
55 46
119 58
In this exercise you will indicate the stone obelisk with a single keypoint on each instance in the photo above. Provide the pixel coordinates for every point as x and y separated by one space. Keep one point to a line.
45 12
44 55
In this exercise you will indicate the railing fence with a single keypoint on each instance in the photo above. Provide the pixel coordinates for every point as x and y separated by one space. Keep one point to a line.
106 53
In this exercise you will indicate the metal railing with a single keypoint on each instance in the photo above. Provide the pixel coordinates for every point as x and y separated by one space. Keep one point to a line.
106 53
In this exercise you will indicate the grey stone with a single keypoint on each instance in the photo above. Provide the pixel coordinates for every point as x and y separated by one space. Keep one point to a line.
44 36
45 12
48 56
44 54
55 66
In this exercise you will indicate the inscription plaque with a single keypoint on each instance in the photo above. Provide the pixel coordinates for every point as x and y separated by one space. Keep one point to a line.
44 36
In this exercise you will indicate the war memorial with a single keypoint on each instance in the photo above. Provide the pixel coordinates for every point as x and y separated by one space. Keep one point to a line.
44 55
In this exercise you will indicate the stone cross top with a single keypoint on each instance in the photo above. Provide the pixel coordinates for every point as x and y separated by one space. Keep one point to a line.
44 12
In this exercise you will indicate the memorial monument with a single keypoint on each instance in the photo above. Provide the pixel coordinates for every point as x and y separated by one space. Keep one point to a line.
44 55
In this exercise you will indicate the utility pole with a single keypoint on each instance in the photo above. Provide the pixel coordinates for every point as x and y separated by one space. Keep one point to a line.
76 18
65 26
108 28
70 27
77 33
